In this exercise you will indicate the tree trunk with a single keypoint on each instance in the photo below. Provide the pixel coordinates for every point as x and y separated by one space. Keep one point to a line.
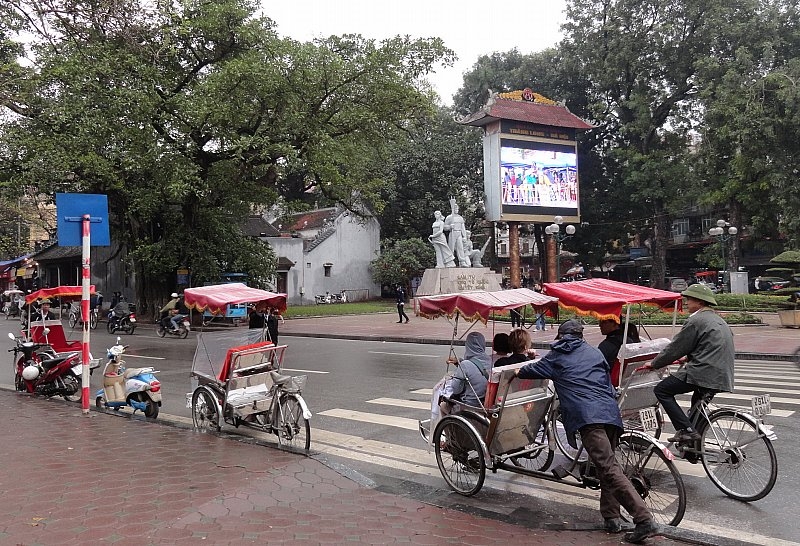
661 230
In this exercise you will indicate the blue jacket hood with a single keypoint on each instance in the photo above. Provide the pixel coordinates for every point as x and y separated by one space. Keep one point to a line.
567 344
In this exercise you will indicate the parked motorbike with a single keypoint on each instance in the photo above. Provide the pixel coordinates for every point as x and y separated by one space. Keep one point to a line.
125 323
164 327
40 370
135 387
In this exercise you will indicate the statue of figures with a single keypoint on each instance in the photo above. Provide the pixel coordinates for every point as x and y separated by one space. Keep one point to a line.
473 255
454 224
444 258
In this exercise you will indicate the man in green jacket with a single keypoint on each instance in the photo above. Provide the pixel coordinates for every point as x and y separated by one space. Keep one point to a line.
707 342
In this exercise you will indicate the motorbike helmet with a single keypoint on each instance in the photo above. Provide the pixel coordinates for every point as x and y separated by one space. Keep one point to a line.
174 295
30 373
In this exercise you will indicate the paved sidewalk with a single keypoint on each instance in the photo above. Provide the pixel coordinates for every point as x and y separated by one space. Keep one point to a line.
768 342
69 478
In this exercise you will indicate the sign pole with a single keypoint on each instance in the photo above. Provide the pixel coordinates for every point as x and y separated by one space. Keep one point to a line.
85 285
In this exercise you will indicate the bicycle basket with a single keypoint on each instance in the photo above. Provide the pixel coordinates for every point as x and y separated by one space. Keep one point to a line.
297 384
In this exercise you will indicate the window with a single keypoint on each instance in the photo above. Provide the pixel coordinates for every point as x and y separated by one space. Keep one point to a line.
680 227
526 247
503 249
708 223
327 268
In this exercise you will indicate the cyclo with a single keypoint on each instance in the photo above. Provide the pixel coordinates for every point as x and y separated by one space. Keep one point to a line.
514 429
236 376
735 448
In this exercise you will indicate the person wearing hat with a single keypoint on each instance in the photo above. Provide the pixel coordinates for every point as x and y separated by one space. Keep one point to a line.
44 312
588 402
171 312
707 341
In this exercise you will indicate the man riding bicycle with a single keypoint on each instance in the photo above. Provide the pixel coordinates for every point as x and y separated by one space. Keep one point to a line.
707 343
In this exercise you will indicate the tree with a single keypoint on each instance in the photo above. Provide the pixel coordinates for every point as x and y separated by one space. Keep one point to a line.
191 114
401 260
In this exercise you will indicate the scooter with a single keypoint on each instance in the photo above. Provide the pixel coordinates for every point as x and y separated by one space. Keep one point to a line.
164 328
125 323
40 370
134 387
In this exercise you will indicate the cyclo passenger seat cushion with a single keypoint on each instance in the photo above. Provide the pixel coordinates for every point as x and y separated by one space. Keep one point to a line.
636 353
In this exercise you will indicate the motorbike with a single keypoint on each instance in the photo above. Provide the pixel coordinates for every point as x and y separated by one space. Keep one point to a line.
135 387
164 328
125 323
38 369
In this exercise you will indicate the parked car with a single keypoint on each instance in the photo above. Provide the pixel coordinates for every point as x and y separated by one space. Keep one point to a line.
676 284
768 284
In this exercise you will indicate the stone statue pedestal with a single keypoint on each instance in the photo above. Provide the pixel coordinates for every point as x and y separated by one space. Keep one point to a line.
452 280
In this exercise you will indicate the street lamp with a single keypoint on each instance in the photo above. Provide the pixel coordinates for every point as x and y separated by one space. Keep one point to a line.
554 230
724 232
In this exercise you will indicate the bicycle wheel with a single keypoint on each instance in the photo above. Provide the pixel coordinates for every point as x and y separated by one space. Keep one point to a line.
737 457
293 429
654 477
459 456
93 319
562 443
73 319
538 459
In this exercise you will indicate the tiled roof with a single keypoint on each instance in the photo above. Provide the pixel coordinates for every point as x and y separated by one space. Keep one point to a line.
256 226
540 114
311 220
56 252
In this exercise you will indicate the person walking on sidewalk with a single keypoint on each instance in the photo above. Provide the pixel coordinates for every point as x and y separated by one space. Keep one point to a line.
589 406
401 303
707 341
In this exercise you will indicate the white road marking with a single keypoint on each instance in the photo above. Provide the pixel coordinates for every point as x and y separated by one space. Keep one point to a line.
413 404
374 418
146 357
301 371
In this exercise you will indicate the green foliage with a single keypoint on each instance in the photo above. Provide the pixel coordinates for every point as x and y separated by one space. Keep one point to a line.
400 260
190 115
788 257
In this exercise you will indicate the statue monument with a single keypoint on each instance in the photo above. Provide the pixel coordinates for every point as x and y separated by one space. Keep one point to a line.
456 248
444 256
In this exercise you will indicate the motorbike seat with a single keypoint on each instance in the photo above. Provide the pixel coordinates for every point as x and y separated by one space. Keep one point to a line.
132 372
53 362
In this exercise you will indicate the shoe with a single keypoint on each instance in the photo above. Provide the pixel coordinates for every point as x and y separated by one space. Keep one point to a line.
643 530
612 525
406 321
685 435
399 322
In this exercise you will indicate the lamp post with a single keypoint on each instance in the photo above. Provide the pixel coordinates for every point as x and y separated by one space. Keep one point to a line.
554 230
724 232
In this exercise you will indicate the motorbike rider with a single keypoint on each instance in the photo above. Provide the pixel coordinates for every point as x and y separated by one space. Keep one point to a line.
119 310
172 311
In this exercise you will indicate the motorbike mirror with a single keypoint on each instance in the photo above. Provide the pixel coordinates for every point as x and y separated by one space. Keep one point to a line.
11 336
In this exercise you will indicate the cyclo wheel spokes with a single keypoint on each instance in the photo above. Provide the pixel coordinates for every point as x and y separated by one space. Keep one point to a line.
540 458
654 477
292 427
738 458
459 456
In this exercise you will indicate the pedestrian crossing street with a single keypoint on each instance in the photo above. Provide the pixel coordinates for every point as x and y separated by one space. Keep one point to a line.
408 453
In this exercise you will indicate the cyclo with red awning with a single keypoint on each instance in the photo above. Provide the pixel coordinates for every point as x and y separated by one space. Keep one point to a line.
513 428
236 374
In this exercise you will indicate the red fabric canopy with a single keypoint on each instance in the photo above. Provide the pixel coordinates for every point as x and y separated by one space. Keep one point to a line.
216 297
602 298
57 292
478 305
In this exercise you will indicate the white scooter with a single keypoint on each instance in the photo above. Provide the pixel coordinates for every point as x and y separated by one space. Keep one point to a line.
134 387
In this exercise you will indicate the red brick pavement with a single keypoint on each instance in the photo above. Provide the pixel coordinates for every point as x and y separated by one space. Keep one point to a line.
106 479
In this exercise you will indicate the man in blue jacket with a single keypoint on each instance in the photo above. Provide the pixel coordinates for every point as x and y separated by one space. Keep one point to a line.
580 375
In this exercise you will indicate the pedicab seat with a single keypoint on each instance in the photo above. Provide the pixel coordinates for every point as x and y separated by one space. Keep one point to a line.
250 378
637 391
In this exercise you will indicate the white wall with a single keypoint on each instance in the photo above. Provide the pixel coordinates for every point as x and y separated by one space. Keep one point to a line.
350 248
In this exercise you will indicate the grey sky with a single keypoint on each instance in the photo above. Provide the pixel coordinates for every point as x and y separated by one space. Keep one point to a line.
467 27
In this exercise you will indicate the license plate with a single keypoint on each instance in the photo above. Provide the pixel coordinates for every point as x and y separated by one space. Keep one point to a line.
78 370
648 418
133 319
761 405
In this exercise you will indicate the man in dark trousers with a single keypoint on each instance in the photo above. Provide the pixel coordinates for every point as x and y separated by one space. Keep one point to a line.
589 406
401 303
